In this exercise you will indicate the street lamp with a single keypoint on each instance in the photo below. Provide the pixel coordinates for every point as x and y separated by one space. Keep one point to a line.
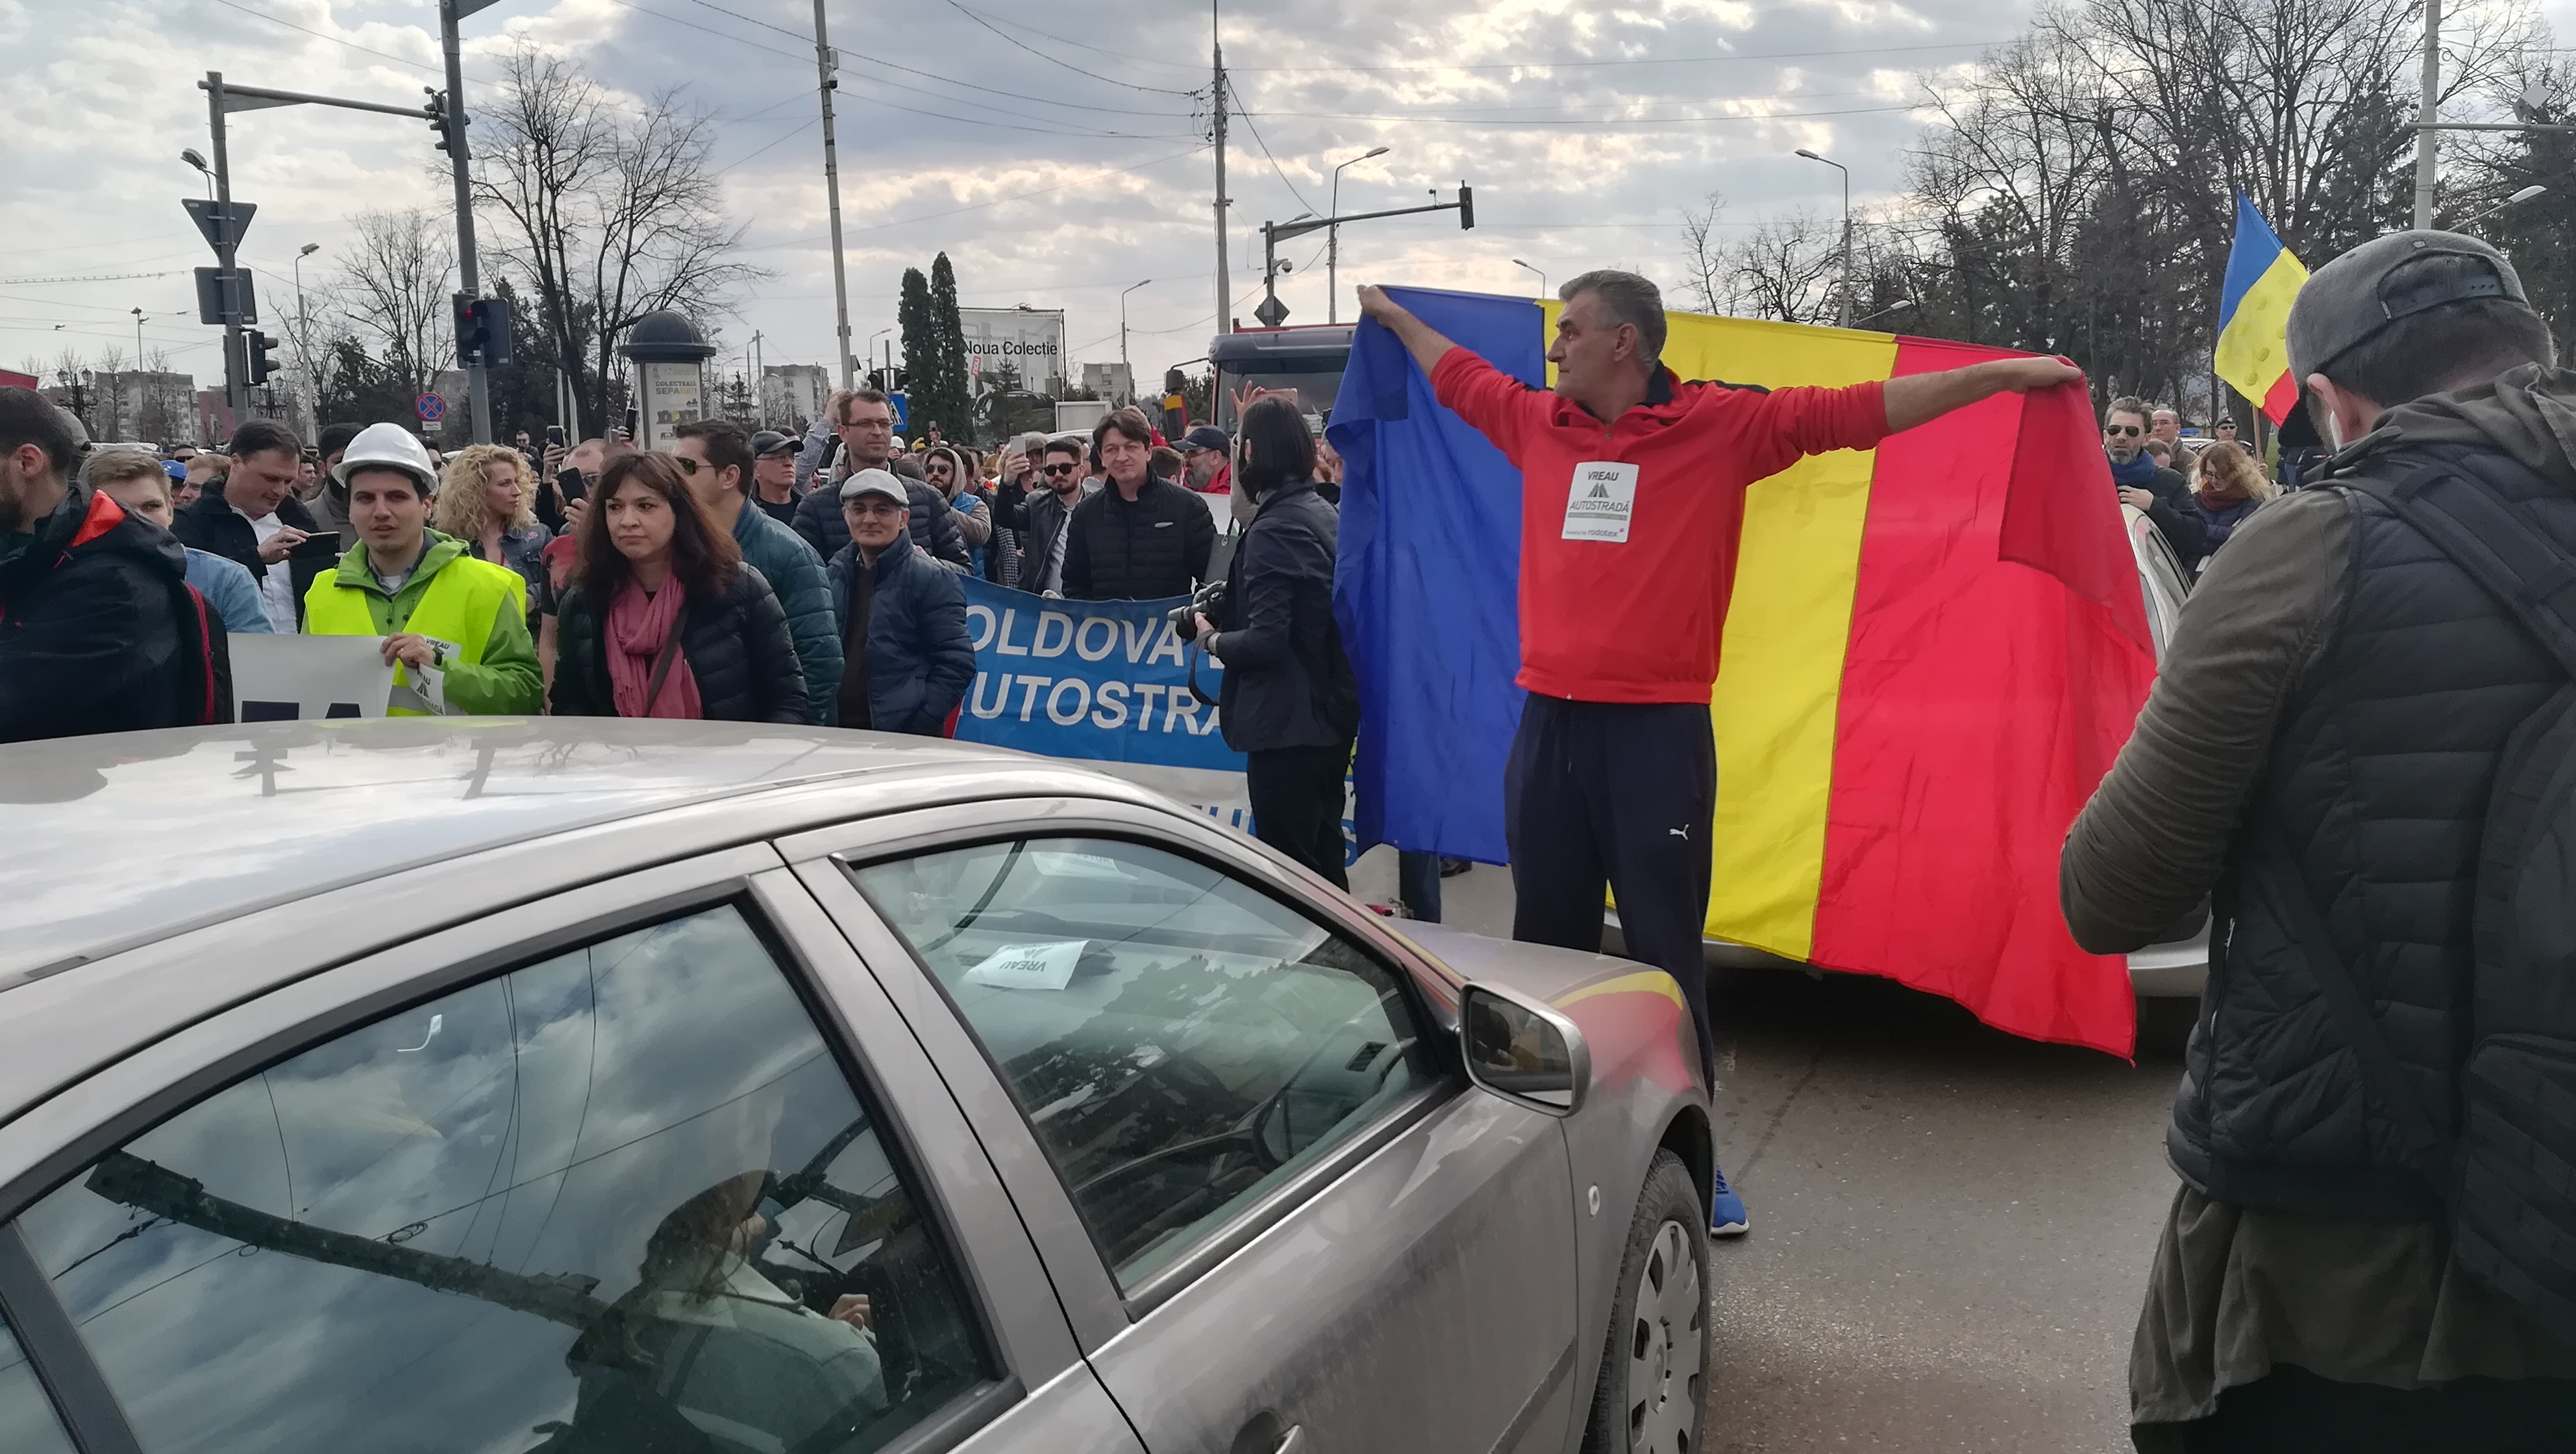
1883 312
1333 241
2525 195
193 158
304 335
888 380
1845 311
1542 275
1122 341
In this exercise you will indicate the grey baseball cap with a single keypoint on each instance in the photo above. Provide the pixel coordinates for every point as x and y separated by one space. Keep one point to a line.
874 482
2379 282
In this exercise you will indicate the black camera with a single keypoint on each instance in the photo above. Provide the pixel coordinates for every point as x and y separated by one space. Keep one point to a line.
1205 602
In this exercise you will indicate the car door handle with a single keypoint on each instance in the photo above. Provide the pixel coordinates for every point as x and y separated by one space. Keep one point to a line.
1292 1442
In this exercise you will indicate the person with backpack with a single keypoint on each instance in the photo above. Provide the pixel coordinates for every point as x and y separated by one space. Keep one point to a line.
2356 744
99 629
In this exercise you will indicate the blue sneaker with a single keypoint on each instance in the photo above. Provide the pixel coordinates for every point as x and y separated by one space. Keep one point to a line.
1726 1216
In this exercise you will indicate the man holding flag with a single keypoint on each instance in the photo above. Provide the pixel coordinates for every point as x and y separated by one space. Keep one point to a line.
1632 505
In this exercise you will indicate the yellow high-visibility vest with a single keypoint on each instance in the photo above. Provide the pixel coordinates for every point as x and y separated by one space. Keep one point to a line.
457 608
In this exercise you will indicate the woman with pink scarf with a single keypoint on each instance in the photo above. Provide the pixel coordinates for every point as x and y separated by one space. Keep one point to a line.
662 618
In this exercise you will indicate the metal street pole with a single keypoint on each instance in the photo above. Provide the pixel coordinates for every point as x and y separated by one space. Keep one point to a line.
2426 177
1843 315
1333 242
236 379
304 340
759 384
1224 286
478 380
1122 341
1542 275
824 66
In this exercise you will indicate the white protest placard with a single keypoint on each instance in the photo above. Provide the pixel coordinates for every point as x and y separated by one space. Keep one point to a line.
1047 966
292 678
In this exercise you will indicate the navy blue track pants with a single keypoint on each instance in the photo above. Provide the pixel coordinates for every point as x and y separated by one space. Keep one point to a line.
1617 794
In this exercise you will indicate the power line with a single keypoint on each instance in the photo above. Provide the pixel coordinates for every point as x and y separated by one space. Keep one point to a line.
980 206
1244 110
1558 65
90 278
1508 124
1095 50
1058 60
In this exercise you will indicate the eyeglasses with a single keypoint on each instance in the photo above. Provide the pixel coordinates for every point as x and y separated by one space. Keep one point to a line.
1059 469
687 465
2116 430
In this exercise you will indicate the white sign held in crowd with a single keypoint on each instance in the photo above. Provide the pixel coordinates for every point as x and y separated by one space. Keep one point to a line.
297 678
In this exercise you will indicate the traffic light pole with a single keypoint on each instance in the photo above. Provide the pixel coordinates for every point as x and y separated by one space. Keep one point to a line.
478 377
1272 312
236 375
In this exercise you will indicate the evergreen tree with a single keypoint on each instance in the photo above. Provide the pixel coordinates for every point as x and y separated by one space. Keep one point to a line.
913 319
952 405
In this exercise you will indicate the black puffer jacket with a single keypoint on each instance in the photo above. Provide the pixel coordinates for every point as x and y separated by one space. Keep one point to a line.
2378 783
99 631
737 647
1156 547
934 523
212 525
1287 681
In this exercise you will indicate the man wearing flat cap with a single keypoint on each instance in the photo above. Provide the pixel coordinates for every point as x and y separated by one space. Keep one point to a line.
2336 719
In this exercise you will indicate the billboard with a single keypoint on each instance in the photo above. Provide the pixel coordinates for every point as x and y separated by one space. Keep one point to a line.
1028 340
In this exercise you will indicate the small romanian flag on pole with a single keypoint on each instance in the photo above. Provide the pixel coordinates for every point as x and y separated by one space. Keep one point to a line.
2254 314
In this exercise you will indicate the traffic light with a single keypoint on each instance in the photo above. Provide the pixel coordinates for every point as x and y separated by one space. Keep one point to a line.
257 344
437 109
1466 207
482 331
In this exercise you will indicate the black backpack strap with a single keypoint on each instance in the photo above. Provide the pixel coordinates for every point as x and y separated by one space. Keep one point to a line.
2428 1150
2528 573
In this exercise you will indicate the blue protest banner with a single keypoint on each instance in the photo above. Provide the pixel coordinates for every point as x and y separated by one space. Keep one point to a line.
1103 682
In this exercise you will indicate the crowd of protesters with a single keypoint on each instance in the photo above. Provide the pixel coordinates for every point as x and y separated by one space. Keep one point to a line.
586 579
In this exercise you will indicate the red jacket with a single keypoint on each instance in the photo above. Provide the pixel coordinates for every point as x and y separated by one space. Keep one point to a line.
1624 584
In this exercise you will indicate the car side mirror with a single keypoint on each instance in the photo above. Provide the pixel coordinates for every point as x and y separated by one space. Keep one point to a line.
1522 1050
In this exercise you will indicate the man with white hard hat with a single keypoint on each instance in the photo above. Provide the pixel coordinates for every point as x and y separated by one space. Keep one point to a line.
455 628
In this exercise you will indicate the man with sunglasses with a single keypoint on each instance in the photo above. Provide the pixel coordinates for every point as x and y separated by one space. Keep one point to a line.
1041 515
2148 487
716 456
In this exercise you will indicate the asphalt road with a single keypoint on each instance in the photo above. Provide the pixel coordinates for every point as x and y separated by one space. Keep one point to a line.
1951 1227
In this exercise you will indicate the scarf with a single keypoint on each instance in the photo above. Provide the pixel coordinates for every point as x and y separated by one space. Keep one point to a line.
2138 474
2215 496
632 637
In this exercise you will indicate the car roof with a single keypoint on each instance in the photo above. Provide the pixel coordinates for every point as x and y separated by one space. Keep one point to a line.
117 840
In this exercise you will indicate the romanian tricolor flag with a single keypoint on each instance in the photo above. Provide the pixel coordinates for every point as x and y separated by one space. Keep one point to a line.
1933 652
2254 314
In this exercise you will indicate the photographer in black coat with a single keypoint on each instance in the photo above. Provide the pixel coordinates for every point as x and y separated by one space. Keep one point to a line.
1289 704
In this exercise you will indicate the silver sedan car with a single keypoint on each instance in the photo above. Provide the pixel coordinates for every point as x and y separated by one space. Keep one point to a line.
680 1088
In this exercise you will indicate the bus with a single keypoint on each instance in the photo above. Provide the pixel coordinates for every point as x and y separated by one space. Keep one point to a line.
1304 364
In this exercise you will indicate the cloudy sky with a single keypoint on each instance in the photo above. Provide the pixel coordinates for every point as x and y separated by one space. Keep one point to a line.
1053 150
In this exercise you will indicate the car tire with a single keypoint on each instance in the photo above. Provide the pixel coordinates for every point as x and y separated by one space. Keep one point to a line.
1652 1395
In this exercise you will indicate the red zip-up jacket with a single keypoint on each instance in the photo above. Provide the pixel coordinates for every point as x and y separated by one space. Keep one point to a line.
1624 583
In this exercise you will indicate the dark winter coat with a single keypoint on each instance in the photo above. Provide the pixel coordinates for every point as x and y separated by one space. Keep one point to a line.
795 573
1287 681
1156 547
2220 523
920 656
934 523
2176 512
737 647
212 525
99 631
1037 517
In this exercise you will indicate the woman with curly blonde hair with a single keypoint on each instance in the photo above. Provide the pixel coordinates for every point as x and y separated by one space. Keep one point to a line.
2229 485
486 499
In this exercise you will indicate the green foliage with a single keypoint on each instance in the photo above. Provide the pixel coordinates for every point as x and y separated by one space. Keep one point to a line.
948 399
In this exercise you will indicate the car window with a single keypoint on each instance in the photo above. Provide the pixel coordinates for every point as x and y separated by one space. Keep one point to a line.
2160 577
622 1199
1181 1041
28 1424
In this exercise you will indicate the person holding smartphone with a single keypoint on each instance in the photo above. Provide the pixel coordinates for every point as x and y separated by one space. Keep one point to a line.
1290 704
255 521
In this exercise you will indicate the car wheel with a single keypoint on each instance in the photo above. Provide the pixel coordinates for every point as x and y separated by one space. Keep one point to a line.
1653 1392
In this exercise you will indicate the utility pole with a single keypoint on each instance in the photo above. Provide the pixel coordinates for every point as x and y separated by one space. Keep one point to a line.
759 385
1123 364
824 65
478 378
1333 242
2425 174
1224 287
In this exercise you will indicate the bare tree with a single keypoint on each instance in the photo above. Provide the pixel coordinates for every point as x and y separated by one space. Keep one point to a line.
393 293
1785 268
164 412
1708 281
606 216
